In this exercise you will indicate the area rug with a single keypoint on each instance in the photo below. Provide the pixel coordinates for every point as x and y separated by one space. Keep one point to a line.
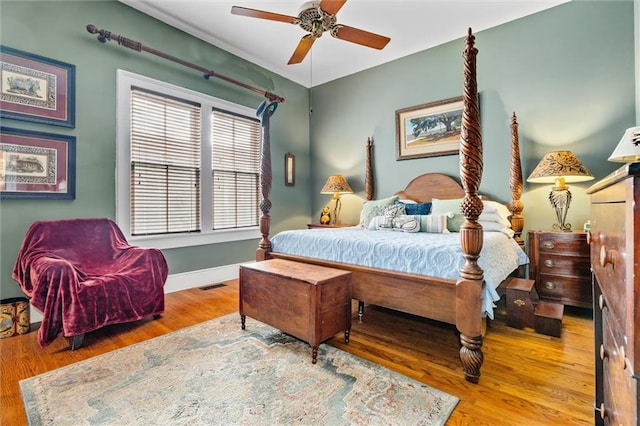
217 373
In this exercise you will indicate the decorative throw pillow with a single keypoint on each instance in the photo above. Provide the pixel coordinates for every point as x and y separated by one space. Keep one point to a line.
385 217
374 208
445 206
402 223
492 212
454 221
413 208
434 223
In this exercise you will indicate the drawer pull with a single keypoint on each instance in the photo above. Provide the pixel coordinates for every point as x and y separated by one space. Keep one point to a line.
519 303
606 257
601 302
623 358
548 244
550 285
603 353
549 263
603 414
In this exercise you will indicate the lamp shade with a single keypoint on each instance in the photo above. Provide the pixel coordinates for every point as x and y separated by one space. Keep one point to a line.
559 164
628 149
336 183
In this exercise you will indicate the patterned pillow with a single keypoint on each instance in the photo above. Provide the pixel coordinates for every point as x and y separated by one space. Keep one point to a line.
434 223
413 208
371 209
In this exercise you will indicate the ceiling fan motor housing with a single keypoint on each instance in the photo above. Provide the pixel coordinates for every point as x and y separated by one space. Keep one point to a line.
315 20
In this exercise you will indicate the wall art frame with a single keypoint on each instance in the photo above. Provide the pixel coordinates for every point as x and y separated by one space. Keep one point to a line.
37 89
429 130
37 165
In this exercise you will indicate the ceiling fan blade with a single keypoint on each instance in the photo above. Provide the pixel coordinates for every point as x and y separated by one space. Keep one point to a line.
332 6
301 51
254 13
362 37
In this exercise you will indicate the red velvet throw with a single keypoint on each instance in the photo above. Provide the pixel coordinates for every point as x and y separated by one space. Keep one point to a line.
83 274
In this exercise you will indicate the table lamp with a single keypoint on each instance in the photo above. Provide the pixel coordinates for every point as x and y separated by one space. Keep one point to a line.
628 149
560 167
336 185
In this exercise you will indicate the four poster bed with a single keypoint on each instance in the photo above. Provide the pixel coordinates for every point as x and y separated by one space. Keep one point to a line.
455 300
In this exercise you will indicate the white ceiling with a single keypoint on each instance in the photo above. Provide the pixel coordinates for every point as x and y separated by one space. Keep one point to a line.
412 25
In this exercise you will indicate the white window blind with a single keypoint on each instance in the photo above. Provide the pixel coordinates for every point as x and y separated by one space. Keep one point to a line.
165 164
235 163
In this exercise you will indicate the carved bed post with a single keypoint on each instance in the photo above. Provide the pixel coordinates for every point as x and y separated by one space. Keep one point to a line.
368 177
469 285
515 183
264 247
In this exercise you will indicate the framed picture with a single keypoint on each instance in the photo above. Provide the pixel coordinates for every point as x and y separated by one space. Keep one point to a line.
429 130
37 165
35 88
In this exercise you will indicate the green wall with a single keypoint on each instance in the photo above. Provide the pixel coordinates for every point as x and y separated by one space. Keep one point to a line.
57 30
567 72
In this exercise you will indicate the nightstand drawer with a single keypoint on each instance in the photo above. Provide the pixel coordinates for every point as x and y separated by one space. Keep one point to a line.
565 265
563 242
566 290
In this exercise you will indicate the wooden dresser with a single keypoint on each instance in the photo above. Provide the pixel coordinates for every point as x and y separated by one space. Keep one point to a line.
560 266
614 237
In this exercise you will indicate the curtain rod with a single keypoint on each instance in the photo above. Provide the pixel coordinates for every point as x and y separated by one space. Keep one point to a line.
105 35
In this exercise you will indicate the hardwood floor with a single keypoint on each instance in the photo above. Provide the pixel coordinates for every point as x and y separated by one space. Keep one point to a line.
527 378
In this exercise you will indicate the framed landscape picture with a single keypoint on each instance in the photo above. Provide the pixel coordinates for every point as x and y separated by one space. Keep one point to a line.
35 88
429 130
37 165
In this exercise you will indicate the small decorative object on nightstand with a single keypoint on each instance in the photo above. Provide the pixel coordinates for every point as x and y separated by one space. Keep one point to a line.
560 266
325 216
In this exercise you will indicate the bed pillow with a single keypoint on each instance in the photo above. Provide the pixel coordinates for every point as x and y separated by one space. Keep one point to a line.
371 209
434 223
492 212
497 227
414 208
454 221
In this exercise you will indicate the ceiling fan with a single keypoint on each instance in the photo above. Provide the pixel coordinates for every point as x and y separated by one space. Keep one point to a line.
316 18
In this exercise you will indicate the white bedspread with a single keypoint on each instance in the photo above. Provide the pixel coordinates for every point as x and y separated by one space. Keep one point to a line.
436 255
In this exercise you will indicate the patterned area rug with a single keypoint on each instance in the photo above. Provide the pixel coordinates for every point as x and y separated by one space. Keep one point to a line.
216 373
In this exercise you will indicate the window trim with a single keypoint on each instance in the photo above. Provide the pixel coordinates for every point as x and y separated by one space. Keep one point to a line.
125 81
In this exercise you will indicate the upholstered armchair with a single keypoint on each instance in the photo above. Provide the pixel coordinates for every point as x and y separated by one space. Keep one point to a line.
82 274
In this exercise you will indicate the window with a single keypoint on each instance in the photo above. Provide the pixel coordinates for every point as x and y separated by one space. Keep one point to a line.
167 138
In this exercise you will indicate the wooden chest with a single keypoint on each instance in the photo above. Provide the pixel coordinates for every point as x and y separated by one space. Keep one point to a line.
309 302
560 267
614 240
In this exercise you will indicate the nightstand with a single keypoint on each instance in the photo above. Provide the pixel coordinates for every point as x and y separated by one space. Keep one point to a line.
333 225
561 268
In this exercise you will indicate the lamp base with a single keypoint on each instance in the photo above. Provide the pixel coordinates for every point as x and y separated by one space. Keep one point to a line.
560 199
564 227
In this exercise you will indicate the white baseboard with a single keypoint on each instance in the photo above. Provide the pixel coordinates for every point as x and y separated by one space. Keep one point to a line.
181 281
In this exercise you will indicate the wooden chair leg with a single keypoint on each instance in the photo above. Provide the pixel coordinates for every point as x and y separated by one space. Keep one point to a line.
75 341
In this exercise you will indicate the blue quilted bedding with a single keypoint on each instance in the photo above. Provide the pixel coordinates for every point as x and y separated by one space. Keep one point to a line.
436 255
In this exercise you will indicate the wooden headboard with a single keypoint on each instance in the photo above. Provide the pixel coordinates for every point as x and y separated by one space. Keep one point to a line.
431 185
